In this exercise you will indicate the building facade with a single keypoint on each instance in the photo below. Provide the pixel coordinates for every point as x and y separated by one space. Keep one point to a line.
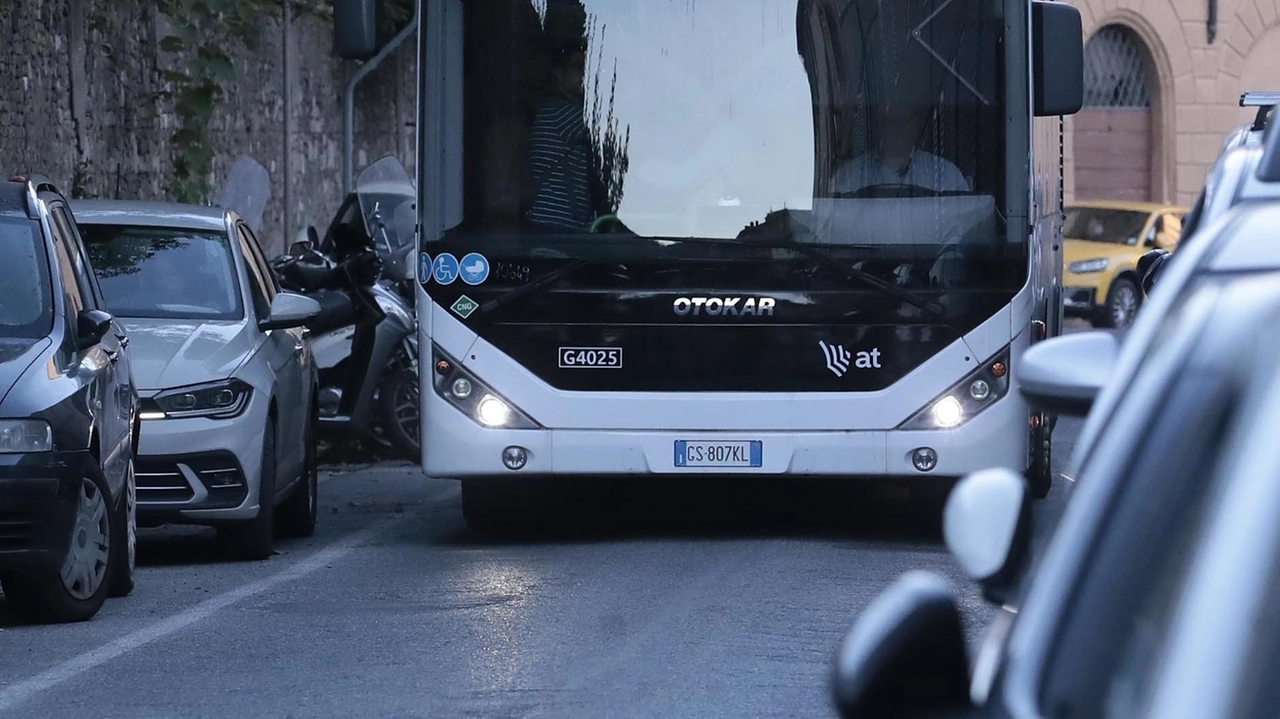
1163 81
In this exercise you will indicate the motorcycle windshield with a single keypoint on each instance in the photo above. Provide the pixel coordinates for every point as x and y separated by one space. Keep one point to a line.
388 201
247 190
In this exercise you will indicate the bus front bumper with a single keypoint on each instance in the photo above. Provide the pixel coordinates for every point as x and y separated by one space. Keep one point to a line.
455 447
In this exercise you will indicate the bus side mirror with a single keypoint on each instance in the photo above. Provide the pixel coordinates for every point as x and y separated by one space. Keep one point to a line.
1057 68
355 29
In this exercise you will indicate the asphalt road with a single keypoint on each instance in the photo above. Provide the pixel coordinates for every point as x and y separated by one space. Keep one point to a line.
657 600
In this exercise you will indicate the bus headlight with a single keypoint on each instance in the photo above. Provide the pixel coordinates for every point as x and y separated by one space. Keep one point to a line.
968 397
493 412
474 398
948 412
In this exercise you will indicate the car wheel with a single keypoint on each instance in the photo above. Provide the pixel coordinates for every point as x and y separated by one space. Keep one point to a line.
74 589
399 410
1123 302
297 515
126 544
254 540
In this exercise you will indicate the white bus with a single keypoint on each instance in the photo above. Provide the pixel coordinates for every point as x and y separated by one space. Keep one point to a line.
736 237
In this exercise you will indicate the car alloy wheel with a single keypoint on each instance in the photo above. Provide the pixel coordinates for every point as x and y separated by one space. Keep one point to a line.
1123 303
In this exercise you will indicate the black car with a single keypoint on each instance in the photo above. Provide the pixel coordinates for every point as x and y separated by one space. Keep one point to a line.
68 418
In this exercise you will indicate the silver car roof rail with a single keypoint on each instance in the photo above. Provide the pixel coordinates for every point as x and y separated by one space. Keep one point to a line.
1265 102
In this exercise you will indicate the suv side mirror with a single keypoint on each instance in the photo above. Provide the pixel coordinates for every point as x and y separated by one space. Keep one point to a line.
91 327
987 526
1057 69
1149 267
1063 375
289 310
355 29
905 655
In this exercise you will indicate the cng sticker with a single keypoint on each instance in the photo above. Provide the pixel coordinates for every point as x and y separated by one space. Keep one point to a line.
465 306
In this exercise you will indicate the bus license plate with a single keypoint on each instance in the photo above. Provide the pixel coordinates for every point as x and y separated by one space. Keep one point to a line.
719 454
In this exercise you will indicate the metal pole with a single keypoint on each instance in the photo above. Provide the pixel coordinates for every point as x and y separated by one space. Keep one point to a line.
349 103
288 120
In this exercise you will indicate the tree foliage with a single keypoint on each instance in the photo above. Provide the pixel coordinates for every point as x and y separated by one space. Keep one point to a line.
203 36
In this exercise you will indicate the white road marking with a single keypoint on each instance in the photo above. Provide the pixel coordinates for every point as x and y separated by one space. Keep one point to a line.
20 692
1068 478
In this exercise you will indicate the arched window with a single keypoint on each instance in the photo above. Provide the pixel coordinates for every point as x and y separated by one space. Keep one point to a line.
1116 70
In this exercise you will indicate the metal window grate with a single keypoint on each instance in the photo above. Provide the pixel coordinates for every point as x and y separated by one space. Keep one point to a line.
1115 70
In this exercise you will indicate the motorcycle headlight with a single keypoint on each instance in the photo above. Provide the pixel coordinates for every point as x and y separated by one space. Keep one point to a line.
965 399
474 398
21 436
1084 267
217 400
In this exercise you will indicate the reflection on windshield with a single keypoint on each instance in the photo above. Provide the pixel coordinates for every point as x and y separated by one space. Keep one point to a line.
1121 227
26 306
668 119
163 273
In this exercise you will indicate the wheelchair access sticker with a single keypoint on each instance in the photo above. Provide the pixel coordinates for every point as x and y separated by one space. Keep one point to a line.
445 269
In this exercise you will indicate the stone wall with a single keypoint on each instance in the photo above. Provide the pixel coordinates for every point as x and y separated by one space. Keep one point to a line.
82 101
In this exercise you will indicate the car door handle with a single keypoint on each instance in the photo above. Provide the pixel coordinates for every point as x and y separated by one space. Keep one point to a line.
113 355
124 341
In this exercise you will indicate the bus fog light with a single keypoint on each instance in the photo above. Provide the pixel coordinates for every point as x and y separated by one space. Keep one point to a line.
924 459
493 412
515 458
979 390
948 412
461 388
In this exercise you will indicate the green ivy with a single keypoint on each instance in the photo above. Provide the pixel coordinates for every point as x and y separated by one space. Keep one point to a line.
205 35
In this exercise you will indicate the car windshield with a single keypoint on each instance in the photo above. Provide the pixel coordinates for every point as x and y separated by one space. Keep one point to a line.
26 301
1120 227
164 273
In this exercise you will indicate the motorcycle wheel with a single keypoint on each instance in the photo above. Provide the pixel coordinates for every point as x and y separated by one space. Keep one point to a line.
398 409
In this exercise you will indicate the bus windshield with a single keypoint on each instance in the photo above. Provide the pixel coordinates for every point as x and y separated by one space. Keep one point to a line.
844 122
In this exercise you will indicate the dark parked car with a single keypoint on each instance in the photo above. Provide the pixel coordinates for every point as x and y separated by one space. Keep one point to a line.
68 418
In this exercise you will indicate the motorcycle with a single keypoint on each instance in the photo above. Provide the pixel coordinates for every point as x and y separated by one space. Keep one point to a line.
365 340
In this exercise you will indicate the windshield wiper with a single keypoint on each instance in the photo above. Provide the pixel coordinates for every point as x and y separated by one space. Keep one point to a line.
786 241
533 287
783 242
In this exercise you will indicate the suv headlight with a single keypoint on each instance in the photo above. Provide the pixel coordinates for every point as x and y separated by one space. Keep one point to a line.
21 436
1084 267
216 400
474 398
965 399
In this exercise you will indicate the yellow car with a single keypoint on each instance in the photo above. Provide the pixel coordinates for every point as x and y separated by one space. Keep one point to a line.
1102 244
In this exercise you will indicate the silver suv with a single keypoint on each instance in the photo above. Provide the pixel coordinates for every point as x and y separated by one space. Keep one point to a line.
1236 178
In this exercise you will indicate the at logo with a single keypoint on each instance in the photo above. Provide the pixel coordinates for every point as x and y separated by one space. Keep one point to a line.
724 306
838 358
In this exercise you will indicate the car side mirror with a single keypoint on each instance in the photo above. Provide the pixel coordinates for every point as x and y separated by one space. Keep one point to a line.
1057 47
91 327
987 526
905 655
1149 267
289 310
1064 374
